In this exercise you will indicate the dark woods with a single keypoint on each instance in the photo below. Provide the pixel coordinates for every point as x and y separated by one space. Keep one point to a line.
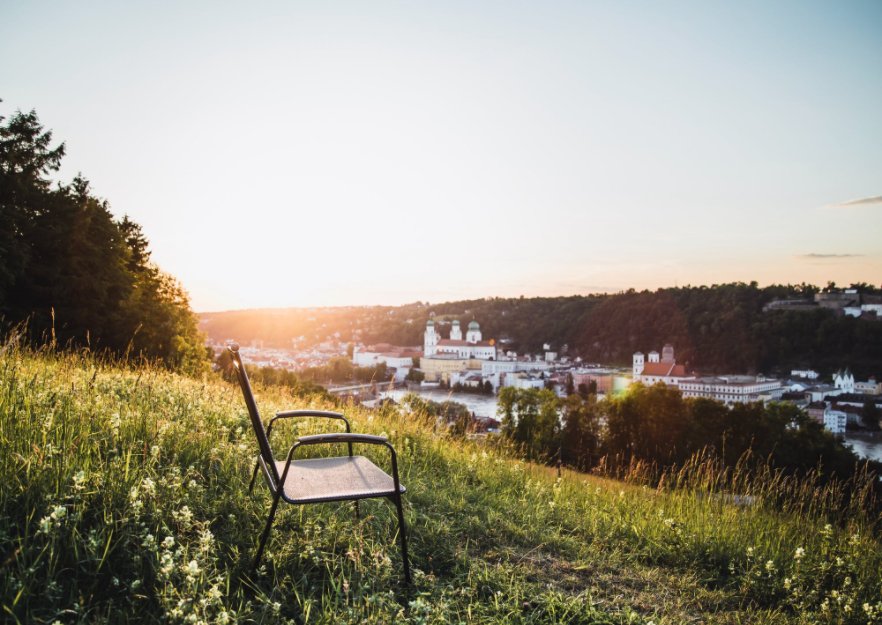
71 273
657 428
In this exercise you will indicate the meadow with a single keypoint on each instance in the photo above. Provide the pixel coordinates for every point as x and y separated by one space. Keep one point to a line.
124 498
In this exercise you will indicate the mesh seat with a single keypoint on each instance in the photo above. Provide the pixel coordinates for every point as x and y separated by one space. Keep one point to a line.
335 479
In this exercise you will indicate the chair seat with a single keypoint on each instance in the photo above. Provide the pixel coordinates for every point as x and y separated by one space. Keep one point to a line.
334 479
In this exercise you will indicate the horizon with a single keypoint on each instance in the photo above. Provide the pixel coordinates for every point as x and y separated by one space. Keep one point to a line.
524 296
283 156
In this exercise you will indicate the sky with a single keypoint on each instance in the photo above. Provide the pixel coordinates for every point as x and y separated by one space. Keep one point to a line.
335 153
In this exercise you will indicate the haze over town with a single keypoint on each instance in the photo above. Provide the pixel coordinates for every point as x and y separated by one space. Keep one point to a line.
299 154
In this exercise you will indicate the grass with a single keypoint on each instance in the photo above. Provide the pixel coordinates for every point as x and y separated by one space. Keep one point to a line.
124 499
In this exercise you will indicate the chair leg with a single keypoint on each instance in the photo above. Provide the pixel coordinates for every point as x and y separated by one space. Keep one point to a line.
266 530
253 477
402 536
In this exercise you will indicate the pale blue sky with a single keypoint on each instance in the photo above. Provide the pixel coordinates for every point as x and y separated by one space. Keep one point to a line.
389 152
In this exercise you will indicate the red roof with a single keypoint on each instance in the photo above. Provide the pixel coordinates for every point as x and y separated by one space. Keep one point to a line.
453 343
666 369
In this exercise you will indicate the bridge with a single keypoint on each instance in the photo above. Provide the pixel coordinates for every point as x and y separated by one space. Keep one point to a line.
358 388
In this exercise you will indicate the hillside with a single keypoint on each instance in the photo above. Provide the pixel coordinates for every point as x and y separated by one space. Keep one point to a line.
718 329
125 499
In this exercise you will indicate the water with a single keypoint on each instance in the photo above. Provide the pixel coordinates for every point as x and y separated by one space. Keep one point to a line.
866 445
481 405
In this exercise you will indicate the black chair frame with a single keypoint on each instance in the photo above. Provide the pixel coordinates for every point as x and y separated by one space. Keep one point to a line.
276 482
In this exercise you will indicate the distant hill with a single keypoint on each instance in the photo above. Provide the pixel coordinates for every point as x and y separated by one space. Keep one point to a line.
720 328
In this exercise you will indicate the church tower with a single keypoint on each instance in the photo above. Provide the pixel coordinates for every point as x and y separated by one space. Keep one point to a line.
638 363
474 333
455 332
430 339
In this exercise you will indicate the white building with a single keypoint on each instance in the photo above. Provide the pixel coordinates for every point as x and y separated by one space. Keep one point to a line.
471 347
835 420
655 369
808 374
398 358
844 381
733 389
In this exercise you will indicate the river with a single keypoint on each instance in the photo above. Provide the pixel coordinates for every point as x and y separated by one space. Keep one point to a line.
864 444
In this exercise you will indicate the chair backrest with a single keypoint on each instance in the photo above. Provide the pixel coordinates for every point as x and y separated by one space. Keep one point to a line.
266 451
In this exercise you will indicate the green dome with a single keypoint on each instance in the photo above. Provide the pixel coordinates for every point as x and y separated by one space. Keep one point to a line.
430 322
473 325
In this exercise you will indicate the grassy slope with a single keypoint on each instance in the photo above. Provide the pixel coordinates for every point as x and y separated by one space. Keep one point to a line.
124 498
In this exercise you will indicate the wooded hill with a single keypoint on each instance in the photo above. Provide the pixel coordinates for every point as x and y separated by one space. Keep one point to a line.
73 275
717 329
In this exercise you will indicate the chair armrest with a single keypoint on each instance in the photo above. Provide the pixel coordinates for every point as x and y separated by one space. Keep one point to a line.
315 439
291 414
349 438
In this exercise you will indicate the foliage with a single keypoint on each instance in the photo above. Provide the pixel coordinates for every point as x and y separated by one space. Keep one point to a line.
656 425
75 275
125 500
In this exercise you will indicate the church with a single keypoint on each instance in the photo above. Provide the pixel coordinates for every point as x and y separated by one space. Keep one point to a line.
471 347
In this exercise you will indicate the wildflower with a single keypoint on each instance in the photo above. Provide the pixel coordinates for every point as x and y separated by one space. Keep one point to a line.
206 539
154 451
223 618
787 583
79 480
166 563
750 552
214 593
770 566
184 515
799 553
192 568
277 607
149 541
148 486
168 542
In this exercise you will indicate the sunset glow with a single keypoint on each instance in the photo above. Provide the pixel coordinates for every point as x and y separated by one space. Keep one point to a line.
304 154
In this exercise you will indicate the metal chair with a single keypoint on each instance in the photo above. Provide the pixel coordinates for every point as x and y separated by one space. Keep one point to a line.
319 480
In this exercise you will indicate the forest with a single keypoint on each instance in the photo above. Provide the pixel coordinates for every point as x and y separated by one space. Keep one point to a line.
715 329
657 426
71 274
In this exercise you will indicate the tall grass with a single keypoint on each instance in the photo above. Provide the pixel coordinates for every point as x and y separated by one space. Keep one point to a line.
124 499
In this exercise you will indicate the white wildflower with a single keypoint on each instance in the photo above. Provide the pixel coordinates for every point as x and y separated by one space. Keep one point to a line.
799 553
79 480
168 542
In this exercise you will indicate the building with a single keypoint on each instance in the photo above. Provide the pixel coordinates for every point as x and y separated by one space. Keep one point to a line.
398 358
835 420
654 369
870 387
439 366
472 347
844 381
733 389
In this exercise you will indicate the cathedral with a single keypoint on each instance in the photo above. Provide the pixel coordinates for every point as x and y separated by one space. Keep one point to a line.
471 347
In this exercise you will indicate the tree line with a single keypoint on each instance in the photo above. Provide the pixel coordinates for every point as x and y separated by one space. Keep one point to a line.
72 274
715 329
657 425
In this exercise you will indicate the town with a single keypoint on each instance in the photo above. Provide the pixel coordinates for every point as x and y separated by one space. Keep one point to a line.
469 363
